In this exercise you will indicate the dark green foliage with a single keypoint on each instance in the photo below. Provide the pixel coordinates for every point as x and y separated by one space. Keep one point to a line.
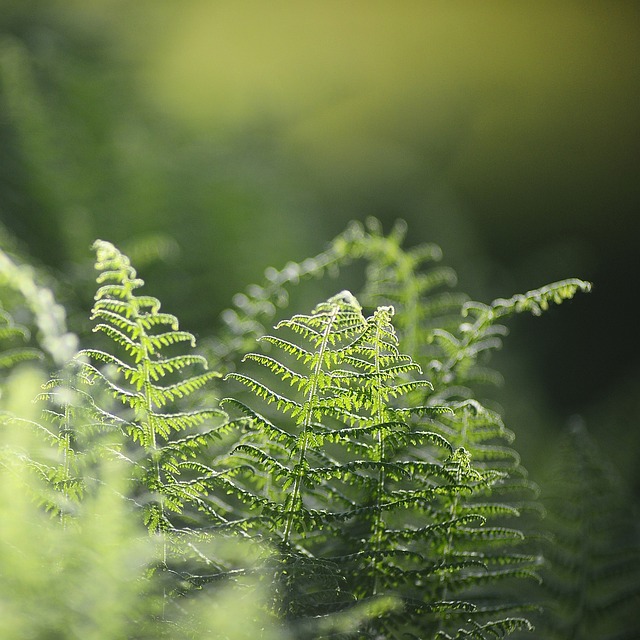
356 445
592 571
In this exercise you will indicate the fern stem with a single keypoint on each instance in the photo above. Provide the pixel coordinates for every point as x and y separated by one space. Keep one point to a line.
297 485
151 439
308 415
378 526
152 444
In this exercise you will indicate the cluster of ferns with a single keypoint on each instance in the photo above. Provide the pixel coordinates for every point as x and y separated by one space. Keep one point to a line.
348 443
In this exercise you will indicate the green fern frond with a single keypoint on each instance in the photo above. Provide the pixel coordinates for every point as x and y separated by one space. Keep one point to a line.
393 275
279 369
134 370
472 428
186 420
264 392
538 300
346 394
373 484
331 400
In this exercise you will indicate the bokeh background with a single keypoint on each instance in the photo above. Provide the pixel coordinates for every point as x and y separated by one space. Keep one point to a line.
244 134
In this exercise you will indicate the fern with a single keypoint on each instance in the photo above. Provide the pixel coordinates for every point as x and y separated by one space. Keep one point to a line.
403 479
505 490
341 450
279 465
392 277
592 573
72 421
254 309
499 488
471 523
16 350
326 334
92 575
358 446
137 372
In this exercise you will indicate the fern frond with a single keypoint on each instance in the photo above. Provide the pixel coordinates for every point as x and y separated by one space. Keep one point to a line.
11 357
130 345
258 421
264 392
592 569
131 398
155 342
130 371
278 369
538 300
160 396
97 355
295 350
185 420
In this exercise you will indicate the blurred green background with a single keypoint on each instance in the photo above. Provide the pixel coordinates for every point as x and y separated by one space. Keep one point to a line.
245 134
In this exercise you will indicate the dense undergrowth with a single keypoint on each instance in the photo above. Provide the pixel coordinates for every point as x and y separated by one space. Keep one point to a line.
333 472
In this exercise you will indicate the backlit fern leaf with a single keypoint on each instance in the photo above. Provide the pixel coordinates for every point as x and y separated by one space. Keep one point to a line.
451 339
481 433
332 325
354 375
311 487
136 372
538 300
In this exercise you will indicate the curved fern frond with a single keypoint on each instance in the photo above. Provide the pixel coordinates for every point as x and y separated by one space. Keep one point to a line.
344 372
538 300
